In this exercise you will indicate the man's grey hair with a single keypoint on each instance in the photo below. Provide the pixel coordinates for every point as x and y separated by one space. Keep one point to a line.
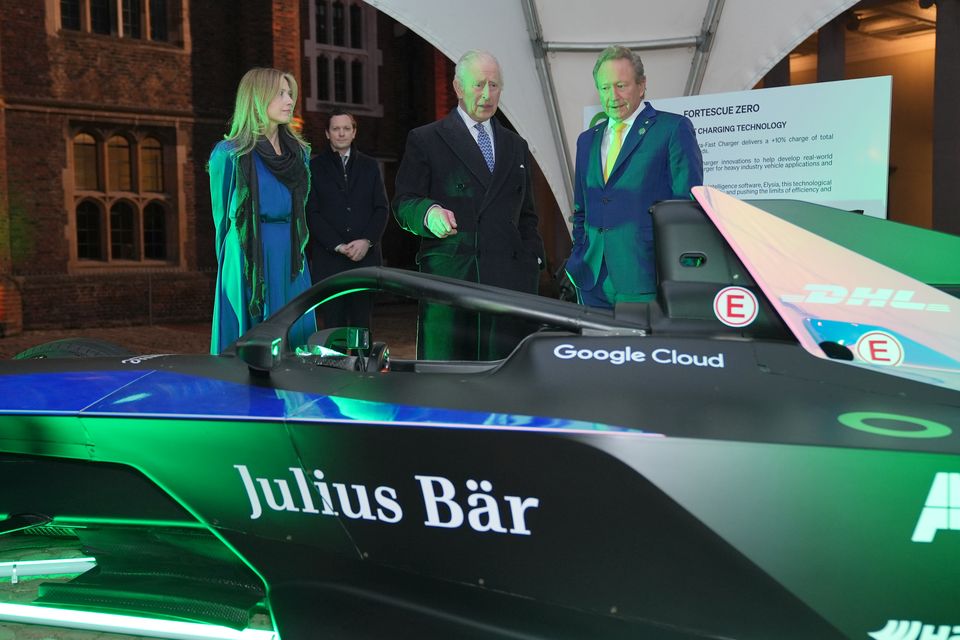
619 52
470 56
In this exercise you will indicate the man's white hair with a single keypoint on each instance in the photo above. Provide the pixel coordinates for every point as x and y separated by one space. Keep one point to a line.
470 56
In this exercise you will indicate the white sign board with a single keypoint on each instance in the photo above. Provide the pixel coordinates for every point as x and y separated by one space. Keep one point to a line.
827 142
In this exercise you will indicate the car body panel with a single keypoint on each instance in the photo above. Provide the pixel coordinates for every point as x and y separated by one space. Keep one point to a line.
647 472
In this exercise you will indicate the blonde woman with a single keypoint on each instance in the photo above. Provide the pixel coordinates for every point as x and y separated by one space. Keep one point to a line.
259 182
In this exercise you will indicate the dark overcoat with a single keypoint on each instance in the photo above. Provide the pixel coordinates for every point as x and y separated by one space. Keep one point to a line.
497 241
340 210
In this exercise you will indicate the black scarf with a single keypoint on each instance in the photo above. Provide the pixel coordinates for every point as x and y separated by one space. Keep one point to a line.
289 169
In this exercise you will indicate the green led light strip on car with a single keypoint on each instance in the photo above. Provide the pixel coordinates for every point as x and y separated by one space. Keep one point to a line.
78 522
74 521
131 625
57 567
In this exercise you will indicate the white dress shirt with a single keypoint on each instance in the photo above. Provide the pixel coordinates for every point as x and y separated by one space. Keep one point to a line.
471 127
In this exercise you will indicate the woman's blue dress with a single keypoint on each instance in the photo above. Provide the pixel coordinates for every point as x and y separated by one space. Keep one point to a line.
231 319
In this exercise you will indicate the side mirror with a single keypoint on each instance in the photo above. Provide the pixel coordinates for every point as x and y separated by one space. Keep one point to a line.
260 353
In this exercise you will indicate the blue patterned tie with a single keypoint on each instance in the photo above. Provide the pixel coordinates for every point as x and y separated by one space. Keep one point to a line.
485 147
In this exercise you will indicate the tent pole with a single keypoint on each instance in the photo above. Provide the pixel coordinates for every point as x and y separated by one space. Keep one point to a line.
711 18
639 45
549 94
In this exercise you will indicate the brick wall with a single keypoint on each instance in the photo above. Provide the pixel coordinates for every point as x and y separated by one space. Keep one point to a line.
11 317
25 53
286 37
38 220
71 77
124 299
48 81
11 309
112 73
217 60
75 68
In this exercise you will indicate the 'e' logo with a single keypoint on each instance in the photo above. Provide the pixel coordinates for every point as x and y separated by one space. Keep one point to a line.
878 347
735 306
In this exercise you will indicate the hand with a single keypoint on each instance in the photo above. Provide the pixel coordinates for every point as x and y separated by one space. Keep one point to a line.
357 250
441 222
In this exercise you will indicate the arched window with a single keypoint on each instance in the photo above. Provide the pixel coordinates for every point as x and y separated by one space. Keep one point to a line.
85 165
339 20
339 80
151 164
70 14
356 82
125 202
341 48
321 30
356 26
154 232
159 23
100 17
132 25
323 78
122 232
118 163
89 231
156 20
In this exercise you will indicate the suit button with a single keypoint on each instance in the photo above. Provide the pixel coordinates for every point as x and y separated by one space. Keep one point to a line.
349 209
605 200
349 229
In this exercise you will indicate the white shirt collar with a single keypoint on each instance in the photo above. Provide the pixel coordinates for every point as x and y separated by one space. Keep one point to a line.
471 123
628 121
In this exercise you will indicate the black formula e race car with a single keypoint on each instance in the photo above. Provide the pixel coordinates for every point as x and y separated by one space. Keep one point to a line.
769 450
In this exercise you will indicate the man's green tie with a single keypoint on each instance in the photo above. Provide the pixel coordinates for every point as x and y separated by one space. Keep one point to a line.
614 150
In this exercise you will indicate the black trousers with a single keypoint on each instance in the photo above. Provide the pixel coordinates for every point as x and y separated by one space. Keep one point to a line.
447 333
351 310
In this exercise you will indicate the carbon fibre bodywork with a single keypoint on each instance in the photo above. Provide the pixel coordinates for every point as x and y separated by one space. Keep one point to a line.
651 472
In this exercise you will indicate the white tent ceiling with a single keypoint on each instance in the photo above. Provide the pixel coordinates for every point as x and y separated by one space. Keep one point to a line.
547 49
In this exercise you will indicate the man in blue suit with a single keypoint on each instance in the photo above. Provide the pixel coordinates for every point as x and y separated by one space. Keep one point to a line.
637 157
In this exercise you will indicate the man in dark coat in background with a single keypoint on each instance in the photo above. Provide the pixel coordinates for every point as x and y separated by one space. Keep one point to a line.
464 187
346 213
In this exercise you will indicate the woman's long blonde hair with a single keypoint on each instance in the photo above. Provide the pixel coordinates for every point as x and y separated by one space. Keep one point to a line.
257 88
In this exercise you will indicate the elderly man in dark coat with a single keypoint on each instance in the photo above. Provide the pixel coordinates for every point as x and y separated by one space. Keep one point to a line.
464 187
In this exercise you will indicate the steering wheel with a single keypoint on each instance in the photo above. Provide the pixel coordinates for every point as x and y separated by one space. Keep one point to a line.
379 358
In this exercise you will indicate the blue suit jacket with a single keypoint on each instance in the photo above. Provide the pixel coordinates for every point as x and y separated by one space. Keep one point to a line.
659 160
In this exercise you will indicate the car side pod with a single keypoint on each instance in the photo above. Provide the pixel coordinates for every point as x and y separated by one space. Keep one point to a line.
260 353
